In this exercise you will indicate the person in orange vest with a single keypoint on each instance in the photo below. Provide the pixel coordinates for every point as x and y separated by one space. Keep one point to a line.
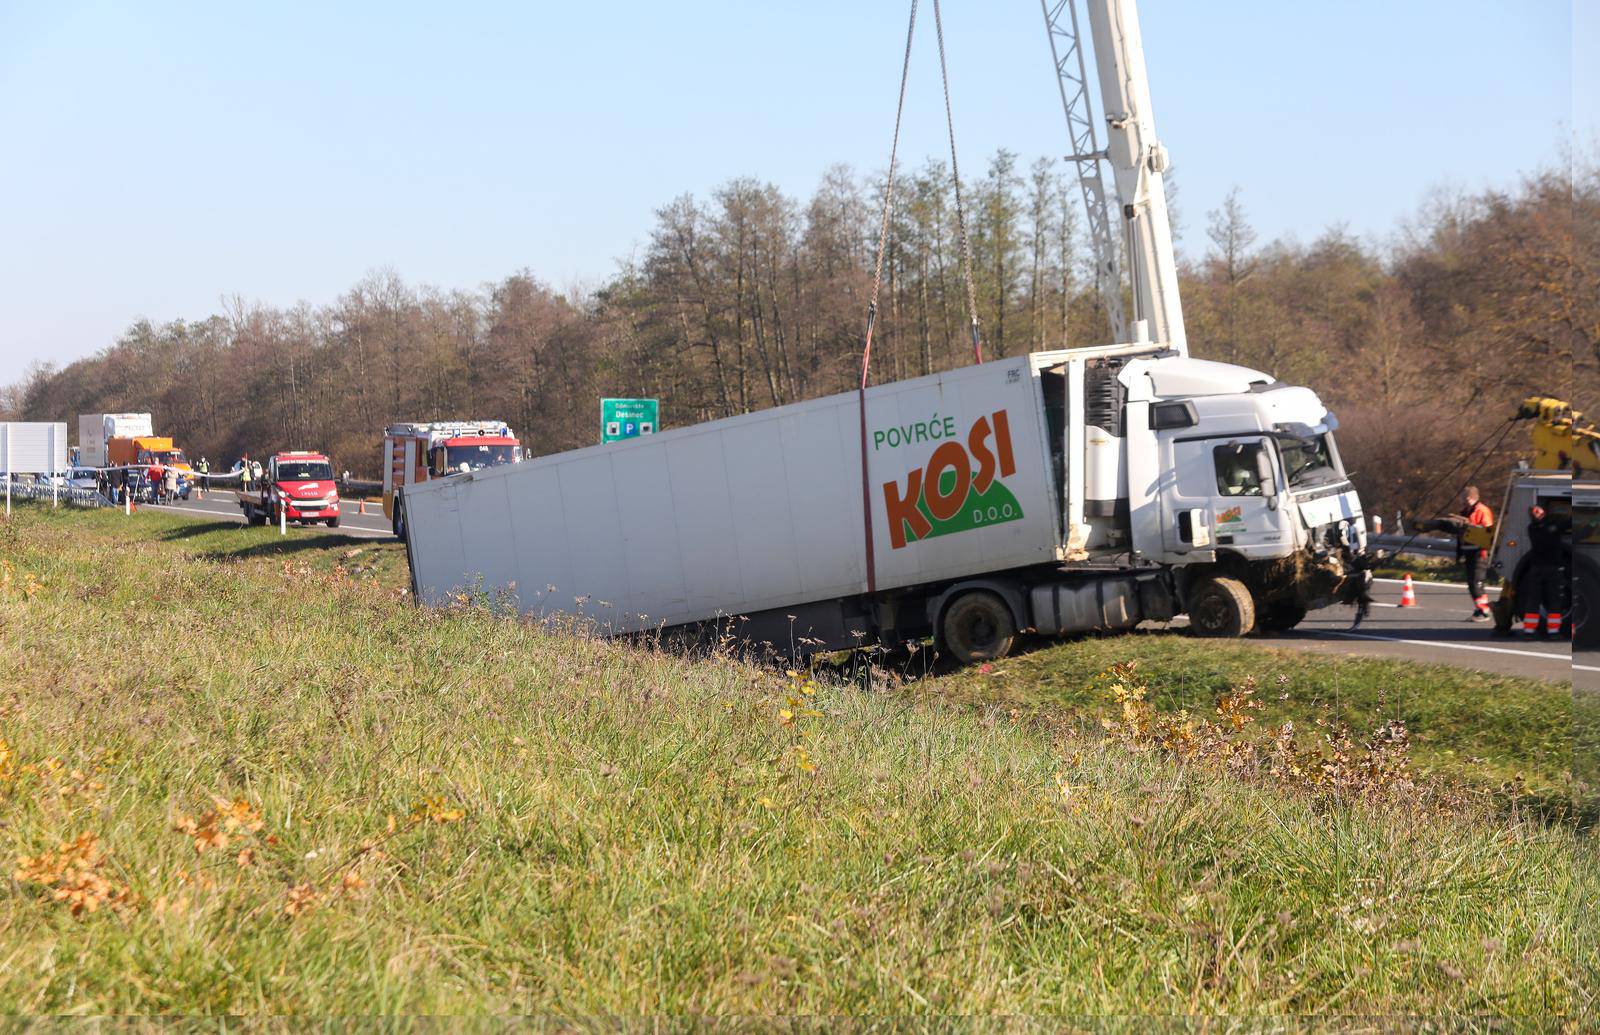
1476 559
156 475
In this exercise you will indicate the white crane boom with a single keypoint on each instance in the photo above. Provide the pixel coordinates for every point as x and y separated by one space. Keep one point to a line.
1136 157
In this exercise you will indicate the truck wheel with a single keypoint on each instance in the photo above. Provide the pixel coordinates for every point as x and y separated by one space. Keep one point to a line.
978 627
398 522
1221 606
1280 617
1586 607
333 522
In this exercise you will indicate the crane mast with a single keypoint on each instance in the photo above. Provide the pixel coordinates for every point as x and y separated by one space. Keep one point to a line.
1137 160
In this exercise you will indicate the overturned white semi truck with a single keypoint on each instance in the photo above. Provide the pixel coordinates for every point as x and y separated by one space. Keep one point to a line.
1059 491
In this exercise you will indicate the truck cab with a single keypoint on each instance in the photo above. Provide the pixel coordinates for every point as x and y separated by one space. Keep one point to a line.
1212 471
298 486
166 456
1253 485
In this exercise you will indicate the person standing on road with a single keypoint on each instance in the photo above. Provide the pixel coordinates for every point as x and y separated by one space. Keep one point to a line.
1546 574
1475 558
203 470
244 472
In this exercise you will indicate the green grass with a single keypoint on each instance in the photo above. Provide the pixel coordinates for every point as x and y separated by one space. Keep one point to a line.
606 829
1473 727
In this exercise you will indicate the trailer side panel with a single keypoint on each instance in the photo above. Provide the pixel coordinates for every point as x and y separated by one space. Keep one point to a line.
756 512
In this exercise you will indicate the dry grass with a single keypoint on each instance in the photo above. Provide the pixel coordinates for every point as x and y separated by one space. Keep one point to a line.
266 785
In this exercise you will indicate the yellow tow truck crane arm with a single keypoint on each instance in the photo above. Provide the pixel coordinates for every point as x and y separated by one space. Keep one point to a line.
1562 439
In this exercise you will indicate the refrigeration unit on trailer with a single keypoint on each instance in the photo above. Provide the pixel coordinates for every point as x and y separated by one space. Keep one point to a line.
1058 491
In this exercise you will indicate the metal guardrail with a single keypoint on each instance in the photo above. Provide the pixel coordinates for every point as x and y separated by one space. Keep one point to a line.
40 490
1422 545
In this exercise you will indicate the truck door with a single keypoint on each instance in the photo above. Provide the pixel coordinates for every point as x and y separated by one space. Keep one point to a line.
1186 520
1223 494
1246 486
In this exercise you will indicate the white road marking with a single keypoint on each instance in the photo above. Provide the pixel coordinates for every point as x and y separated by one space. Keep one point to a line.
1587 668
1425 582
1442 643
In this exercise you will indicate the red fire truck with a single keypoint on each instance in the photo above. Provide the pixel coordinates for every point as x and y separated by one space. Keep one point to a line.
414 453
297 486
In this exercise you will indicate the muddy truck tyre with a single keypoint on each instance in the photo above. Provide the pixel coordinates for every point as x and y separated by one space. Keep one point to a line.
1221 606
977 626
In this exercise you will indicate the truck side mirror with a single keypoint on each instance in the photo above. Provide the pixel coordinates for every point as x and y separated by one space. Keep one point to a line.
1267 477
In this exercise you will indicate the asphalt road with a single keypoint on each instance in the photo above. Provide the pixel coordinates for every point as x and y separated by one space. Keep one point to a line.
221 505
1435 631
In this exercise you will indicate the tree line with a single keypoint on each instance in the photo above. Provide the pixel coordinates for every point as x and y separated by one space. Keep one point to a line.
751 298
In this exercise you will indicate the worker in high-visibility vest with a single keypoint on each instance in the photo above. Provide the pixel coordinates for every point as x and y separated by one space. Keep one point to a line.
204 468
1545 577
1475 558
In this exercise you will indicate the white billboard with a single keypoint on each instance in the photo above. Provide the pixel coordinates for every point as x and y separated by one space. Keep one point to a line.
33 447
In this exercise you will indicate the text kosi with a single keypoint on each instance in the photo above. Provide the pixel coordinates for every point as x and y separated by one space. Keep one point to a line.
948 495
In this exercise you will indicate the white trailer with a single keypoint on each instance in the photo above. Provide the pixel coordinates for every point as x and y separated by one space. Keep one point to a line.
1058 491
96 429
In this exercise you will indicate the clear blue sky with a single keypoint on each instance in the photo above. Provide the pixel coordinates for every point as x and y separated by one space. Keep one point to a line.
160 156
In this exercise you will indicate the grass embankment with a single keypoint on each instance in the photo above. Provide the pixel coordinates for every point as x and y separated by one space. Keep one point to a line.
281 789
1487 731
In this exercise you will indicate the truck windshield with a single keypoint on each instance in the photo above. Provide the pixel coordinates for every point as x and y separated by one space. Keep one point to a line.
174 456
474 458
305 471
1310 460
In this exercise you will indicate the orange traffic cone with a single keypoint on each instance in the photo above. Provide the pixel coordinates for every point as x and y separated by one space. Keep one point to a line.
1408 596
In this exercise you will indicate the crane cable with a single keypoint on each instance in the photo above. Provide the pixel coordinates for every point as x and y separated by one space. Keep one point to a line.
883 244
872 303
955 175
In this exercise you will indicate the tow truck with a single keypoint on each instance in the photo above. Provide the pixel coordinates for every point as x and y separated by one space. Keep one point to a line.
295 486
1560 478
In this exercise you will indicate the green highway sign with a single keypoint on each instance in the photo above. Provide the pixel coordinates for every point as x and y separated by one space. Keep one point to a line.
628 418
